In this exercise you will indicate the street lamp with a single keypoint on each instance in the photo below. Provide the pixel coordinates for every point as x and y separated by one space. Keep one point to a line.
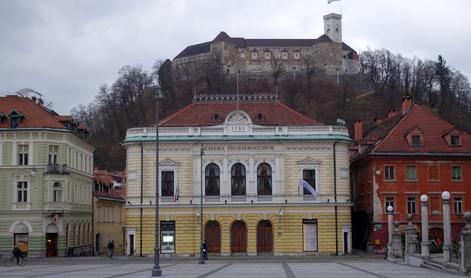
156 271
201 261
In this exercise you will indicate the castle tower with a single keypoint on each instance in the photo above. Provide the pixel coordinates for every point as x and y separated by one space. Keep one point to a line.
333 26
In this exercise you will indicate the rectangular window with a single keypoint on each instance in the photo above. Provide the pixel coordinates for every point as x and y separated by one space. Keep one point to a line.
416 142
389 202
310 235
310 177
455 140
456 173
22 191
167 183
411 205
411 174
23 154
254 56
458 205
389 173
435 207
434 174
53 154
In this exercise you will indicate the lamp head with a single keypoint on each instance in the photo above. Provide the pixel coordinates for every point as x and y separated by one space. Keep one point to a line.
446 195
390 209
424 198
378 172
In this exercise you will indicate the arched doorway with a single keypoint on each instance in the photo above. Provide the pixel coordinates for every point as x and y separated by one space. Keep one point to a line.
238 237
51 240
264 237
212 236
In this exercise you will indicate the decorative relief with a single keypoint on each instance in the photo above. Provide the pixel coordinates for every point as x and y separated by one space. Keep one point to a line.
169 162
307 160
238 117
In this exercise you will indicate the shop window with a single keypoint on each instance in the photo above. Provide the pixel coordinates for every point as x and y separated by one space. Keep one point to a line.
264 179
238 180
212 180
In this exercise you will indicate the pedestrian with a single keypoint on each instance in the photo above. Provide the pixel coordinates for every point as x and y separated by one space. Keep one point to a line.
112 249
385 252
17 253
204 248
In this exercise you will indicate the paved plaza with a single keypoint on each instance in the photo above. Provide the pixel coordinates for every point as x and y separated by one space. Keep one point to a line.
351 267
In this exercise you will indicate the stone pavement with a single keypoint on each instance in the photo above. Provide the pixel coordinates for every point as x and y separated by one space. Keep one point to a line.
229 267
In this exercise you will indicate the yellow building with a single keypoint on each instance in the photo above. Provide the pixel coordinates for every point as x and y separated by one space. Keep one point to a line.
253 161
109 194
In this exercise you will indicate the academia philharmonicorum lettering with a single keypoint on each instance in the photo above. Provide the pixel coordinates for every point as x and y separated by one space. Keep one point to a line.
253 156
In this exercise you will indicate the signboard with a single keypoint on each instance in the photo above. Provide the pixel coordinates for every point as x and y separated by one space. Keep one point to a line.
167 237
21 240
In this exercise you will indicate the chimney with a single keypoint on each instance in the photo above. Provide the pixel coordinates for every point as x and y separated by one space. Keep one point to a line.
406 103
392 113
378 121
358 130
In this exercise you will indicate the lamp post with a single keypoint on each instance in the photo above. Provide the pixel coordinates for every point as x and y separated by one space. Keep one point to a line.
390 210
446 226
201 261
425 243
156 271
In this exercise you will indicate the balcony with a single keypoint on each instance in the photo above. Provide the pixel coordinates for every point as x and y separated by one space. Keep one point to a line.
21 206
57 169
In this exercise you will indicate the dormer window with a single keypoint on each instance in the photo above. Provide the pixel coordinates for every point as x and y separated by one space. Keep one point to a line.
455 140
416 141
15 118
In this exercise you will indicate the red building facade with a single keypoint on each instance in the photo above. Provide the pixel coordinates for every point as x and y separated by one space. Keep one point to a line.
411 153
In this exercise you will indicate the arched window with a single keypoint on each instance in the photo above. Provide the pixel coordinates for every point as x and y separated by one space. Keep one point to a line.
212 180
264 179
57 192
238 179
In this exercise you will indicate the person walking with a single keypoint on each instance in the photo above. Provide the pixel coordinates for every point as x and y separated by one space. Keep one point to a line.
111 249
205 250
17 254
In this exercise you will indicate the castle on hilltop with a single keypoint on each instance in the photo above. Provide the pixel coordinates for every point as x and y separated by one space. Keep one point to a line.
236 55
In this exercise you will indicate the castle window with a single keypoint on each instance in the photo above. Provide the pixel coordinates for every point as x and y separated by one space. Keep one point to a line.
267 55
254 56
297 55
336 30
328 30
242 54
284 55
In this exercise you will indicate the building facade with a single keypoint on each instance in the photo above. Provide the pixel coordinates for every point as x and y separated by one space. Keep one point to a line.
411 153
109 197
247 160
46 179
236 55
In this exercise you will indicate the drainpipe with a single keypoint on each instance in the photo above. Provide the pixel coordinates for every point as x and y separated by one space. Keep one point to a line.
142 192
335 200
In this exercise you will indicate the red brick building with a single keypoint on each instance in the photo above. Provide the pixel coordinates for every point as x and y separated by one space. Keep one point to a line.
411 153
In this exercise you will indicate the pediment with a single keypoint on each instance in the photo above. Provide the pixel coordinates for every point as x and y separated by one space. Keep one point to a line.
238 117
308 161
169 162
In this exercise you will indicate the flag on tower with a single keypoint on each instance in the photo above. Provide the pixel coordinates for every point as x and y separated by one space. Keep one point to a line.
330 1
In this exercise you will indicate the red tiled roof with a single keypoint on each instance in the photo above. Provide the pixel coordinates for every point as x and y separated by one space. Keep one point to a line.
203 114
35 115
390 136
107 178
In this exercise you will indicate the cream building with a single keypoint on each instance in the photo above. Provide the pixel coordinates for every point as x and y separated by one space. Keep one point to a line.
249 159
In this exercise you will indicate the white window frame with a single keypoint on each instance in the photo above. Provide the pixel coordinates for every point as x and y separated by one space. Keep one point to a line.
53 156
267 55
254 55
297 55
168 166
308 165
23 149
415 204
455 202
57 190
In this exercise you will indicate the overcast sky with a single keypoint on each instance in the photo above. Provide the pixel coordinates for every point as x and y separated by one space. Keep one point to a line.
66 49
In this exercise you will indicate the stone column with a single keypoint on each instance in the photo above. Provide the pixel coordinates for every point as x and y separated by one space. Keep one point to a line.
446 227
465 245
425 244
411 237
390 210
397 241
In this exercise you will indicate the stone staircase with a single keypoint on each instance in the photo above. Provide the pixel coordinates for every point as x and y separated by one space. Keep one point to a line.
441 266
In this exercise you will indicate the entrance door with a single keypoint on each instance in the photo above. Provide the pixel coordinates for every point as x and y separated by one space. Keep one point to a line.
238 237
51 244
264 237
131 245
212 237
345 242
